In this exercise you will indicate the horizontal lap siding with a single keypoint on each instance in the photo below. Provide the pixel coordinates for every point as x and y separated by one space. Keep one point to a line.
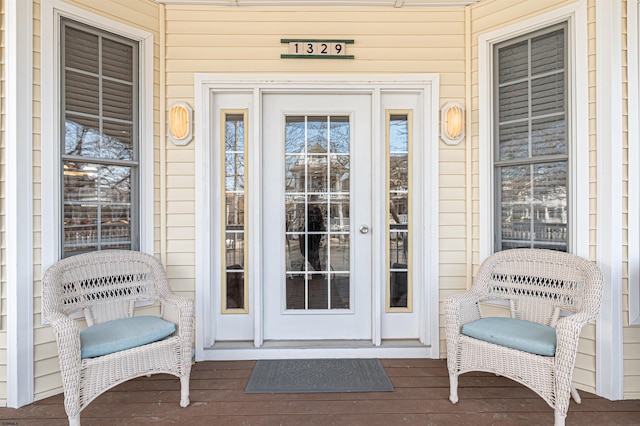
141 14
491 15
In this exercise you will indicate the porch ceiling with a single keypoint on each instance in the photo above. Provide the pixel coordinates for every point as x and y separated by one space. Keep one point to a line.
323 3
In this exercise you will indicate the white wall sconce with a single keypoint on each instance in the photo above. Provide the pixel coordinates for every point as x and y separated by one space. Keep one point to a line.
452 119
180 123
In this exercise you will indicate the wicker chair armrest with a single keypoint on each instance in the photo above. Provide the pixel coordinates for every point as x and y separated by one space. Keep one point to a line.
569 328
67 333
180 311
462 308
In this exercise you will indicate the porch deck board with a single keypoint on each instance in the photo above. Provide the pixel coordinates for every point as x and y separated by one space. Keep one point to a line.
421 398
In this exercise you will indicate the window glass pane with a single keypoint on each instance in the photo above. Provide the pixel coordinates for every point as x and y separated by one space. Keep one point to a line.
294 135
398 134
81 93
317 134
547 95
513 141
235 289
117 100
97 207
514 101
234 243
295 176
117 60
317 173
81 50
547 52
340 173
234 216
549 136
234 170
82 136
513 62
234 133
117 141
534 206
234 211
340 248
398 216
340 134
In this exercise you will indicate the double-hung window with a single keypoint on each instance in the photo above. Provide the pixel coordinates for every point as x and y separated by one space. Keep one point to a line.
531 141
99 153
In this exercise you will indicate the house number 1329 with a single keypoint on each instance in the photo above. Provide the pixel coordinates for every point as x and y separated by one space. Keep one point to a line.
316 48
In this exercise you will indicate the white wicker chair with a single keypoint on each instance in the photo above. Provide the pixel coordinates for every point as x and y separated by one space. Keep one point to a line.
105 285
539 285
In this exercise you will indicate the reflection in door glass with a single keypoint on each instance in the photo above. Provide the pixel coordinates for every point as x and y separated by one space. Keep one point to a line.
398 247
234 277
317 173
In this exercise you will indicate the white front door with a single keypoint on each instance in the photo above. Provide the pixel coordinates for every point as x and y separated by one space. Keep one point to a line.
316 180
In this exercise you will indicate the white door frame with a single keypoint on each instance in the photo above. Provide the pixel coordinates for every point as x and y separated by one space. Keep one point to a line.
205 85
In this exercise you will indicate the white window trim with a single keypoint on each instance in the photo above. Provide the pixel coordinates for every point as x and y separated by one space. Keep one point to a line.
576 15
52 11
609 370
19 201
633 61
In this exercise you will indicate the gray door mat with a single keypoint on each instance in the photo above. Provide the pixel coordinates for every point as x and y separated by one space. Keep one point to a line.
318 375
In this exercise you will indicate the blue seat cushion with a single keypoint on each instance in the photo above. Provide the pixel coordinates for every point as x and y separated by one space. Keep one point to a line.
118 335
514 333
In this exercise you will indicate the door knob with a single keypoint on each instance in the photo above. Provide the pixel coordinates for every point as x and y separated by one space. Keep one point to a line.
364 229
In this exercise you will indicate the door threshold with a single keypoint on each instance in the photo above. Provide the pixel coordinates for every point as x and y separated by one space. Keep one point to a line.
294 349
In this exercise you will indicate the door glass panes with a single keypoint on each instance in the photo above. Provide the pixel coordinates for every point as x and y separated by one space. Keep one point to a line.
317 200
398 172
235 247
531 160
99 137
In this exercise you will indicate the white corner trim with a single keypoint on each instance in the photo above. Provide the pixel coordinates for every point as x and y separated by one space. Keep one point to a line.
633 141
576 15
19 201
204 228
609 256
51 11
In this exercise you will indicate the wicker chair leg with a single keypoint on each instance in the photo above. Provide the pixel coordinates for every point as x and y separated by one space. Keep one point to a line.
75 420
184 391
559 419
575 395
453 388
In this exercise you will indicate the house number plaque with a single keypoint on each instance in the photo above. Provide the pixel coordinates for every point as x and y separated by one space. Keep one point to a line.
318 49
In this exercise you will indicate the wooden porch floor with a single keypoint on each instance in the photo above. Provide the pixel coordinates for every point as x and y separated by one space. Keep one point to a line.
420 398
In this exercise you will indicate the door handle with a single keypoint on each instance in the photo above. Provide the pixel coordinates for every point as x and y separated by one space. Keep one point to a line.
364 229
